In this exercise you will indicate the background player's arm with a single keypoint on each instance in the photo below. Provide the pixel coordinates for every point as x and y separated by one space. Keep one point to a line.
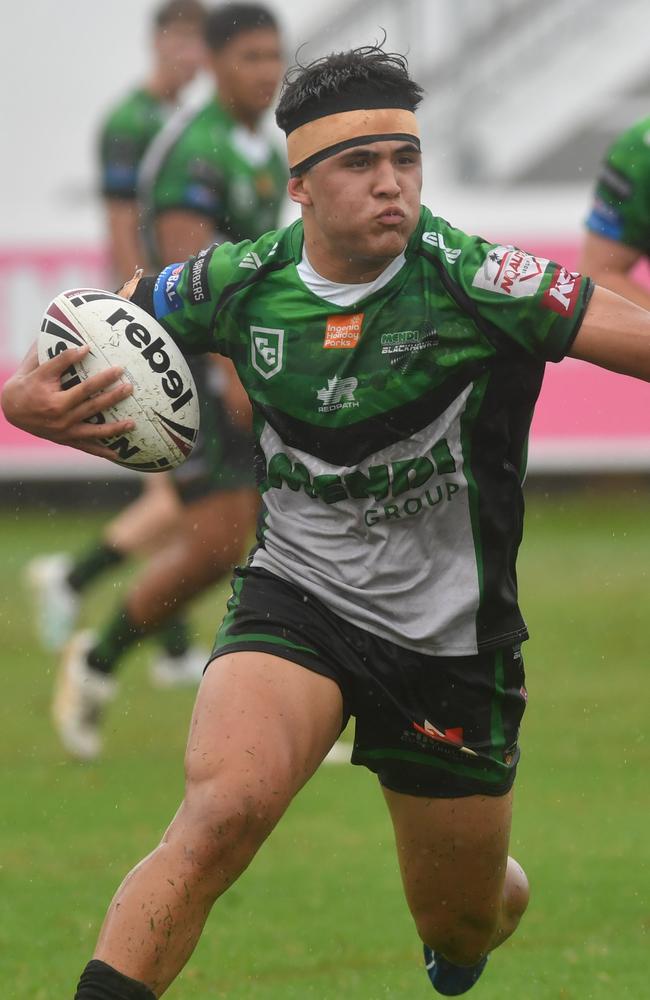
234 395
610 263
180 234
615 334
127 252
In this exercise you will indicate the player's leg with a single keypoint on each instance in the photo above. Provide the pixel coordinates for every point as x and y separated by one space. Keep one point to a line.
464 892
139 528
58 580
214 533
441 732
261 727
213 536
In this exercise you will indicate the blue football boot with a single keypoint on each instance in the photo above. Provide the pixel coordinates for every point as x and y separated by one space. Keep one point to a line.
448 979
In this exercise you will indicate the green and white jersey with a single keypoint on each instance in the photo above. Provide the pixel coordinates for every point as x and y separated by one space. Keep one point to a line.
621 205
124 138
391 420
204 161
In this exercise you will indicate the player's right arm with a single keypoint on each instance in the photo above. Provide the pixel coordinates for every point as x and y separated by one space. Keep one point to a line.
182 297
33 400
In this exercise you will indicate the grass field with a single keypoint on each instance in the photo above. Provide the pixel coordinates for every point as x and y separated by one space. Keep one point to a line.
320 913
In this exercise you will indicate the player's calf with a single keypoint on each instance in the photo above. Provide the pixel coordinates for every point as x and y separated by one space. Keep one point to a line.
464 931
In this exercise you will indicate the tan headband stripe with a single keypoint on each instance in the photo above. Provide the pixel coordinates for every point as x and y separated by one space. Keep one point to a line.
315 136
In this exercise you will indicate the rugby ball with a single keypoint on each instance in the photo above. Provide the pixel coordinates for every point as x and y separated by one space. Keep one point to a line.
164 404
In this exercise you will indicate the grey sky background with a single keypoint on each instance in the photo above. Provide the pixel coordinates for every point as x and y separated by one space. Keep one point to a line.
63 63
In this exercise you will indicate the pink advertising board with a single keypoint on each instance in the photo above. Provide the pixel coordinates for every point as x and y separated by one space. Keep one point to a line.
586 419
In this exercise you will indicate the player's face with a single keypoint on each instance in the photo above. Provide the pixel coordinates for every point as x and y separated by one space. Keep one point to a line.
248 72
181 53
364 203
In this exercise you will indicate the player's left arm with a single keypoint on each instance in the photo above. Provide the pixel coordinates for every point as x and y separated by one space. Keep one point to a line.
610 263
614 334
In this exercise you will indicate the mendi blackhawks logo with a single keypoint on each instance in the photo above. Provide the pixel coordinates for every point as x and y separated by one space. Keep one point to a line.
267 350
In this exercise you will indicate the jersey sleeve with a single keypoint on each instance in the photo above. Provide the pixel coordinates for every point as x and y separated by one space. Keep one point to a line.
190 179
521 302
122 145
620 209
187 297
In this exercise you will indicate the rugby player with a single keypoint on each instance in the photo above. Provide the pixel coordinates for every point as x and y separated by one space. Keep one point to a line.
129 128
58 580
383 585
224 152
618 225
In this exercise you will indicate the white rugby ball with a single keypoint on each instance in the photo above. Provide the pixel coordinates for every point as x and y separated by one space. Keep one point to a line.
164 404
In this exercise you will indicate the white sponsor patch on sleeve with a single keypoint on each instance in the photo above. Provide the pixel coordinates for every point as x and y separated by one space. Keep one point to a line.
510 271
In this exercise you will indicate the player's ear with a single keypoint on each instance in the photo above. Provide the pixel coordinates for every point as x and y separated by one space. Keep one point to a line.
298 189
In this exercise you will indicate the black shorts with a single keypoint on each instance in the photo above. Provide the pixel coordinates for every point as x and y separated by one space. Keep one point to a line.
223 455
435 726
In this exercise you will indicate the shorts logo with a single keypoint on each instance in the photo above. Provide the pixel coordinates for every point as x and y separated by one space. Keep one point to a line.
343 331
562 294
338 394
512 272
267 350
449 736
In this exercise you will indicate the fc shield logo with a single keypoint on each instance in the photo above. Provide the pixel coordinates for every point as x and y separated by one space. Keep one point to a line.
267 350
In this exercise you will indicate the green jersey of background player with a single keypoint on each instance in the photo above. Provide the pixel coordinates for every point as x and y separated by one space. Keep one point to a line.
214 166
393 363
213 172
130 126
618 225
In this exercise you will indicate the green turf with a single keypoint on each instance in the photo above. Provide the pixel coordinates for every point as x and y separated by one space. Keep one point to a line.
320 913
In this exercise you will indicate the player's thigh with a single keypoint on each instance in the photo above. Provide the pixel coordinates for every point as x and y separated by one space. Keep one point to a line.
260 728
453 855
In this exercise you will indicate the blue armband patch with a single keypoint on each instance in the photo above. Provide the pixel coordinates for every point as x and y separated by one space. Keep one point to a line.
166 297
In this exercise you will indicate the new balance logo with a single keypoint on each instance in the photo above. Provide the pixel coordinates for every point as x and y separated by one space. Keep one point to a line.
251 260
338 394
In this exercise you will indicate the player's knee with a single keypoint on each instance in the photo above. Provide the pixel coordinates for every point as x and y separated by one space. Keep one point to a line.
227 825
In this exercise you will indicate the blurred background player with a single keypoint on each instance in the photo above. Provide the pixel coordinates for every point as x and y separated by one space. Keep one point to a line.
211 174
178 54
618 226
58 581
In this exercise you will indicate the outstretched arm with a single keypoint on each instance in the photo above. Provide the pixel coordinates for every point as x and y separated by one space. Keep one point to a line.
34 401
615 334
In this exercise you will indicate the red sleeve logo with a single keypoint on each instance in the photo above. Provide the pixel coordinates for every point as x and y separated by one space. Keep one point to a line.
562 294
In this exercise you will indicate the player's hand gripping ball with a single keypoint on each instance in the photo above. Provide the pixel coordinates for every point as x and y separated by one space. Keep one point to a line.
163 405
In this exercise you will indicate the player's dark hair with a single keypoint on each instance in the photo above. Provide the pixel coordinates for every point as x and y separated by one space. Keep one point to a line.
224 23
179 12
369 76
